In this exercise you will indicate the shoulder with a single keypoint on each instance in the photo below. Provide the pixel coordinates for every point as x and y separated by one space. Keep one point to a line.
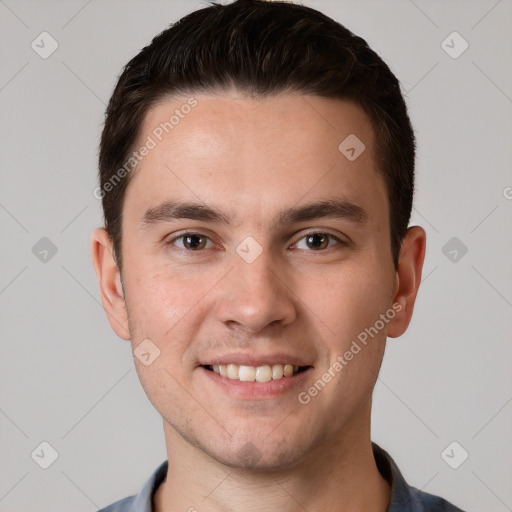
124 505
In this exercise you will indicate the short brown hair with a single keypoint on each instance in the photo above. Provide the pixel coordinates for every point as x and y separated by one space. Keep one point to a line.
260 48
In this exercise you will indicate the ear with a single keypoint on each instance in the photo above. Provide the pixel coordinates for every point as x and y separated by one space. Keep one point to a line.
408 278
109 280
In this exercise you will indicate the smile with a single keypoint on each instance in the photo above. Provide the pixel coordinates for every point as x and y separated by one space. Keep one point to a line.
264 373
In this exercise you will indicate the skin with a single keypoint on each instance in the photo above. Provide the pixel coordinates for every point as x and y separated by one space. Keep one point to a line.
253 157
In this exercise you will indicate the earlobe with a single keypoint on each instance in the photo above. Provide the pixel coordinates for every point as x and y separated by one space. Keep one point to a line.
109 281
408 278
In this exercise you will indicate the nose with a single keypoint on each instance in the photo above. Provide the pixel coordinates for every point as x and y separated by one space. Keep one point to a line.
255 295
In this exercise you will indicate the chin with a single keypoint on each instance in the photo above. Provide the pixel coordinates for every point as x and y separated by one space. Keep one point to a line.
257 455
250 458
257 449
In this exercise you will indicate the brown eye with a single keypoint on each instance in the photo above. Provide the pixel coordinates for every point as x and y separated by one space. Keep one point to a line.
319 241
194 241
191 241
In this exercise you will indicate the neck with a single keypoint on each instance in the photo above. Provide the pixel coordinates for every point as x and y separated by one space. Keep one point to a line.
341 477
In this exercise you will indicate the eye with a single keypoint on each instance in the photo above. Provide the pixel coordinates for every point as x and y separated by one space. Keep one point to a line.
319 241
191 241
195 242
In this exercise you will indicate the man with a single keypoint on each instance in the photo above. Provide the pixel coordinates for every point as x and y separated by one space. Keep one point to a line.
257 174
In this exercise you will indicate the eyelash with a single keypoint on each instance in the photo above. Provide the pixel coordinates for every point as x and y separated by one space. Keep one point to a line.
329 235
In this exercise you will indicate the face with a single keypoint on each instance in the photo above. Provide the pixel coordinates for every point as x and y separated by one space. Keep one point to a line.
279 264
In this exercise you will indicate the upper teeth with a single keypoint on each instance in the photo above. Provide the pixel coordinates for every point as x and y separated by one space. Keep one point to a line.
263 373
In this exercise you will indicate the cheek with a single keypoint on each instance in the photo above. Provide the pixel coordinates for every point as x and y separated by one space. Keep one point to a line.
159 300
352 300
350 306
162 307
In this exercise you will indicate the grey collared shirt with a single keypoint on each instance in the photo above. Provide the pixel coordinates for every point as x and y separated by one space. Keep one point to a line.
404 498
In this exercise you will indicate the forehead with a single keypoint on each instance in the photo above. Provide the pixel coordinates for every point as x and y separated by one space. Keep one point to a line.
256 154
298 123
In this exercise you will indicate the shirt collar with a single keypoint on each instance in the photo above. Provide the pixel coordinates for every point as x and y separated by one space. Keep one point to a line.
143 502
400 491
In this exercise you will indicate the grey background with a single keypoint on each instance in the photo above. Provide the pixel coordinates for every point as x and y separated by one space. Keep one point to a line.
68 380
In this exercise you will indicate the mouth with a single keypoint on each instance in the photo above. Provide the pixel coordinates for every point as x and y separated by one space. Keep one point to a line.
263 373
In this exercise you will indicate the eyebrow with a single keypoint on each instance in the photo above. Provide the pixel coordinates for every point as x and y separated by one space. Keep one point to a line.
170 211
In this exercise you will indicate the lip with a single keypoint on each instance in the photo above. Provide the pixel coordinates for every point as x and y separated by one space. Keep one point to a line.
243 390
256 359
